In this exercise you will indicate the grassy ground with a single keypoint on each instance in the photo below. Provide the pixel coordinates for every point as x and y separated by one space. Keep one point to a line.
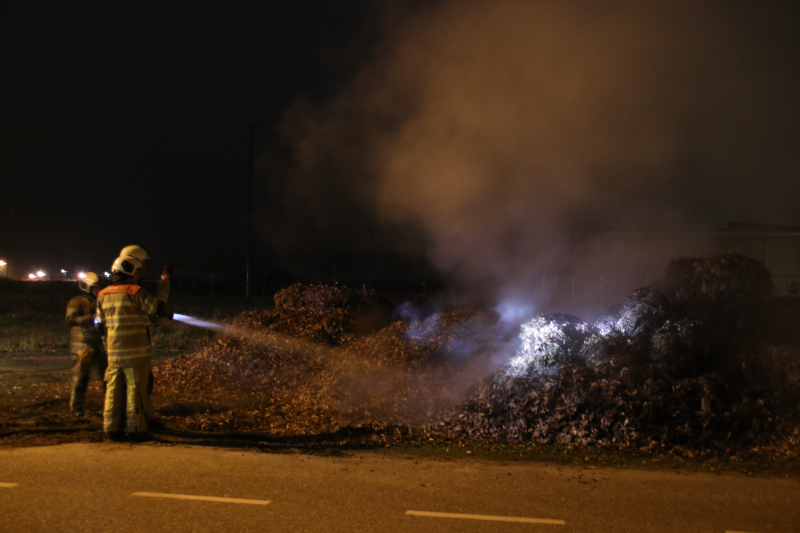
35 323
31 331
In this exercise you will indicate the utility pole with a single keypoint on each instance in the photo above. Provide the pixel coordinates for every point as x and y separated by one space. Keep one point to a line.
371 255
6 251
335 234
247 296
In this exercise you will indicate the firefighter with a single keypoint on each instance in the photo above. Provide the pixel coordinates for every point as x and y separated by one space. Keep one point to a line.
134 250
125 311
86 345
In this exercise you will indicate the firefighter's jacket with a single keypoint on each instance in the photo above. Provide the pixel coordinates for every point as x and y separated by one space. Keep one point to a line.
84 335
125 315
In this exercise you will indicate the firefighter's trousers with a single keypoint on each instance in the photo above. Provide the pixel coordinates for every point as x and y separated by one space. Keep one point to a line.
85 359
127 400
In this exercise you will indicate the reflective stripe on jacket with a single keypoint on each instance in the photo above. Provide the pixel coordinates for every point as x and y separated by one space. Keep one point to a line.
125 312
83 333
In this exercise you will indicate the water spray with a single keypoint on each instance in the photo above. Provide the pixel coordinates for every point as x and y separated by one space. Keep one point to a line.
186 319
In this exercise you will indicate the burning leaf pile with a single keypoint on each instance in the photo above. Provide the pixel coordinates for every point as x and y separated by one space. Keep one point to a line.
683 368
328 315
326 365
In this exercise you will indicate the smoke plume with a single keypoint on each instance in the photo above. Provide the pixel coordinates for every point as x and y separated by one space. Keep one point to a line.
496 126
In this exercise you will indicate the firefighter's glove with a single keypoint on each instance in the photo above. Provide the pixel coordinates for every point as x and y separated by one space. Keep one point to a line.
163 287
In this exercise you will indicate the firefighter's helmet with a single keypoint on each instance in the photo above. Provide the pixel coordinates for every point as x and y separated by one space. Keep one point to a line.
136 251
88 281
126 264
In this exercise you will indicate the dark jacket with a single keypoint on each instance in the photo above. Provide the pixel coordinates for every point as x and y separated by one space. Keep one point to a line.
83 333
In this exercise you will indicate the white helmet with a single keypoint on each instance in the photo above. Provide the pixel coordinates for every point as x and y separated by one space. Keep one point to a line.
88 281
126 264
135 251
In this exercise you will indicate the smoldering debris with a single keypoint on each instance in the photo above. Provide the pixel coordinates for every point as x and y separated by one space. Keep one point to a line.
668 370
318 313
320 361
549 342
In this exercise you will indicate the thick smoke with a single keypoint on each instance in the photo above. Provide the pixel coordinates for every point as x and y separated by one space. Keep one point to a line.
496 126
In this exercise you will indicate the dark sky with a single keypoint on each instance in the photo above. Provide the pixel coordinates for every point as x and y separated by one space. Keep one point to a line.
470 135
126 123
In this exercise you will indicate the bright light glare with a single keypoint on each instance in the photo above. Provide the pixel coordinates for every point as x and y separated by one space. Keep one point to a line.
41 274
542 342
81 275
32 276
63 271
2 263
106 274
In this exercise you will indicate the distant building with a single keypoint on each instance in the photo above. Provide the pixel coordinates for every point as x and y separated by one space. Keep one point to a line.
608 265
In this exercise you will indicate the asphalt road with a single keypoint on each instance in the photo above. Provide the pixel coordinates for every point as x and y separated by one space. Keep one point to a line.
99 487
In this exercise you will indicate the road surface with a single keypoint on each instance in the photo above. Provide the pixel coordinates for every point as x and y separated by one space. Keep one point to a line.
150 488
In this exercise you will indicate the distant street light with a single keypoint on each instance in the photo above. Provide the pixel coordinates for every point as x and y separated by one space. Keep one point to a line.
40 274
32 276
81 275
64 272
2 264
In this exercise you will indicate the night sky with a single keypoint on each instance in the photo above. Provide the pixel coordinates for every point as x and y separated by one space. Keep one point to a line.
130 124
459 138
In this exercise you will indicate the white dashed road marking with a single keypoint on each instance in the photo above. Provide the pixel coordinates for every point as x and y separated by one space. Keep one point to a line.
7 485
201 498
488 517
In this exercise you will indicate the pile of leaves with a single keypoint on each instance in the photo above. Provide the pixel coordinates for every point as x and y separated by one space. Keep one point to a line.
299 296
669 369
303 371
320 314
731 286
674 370
617 403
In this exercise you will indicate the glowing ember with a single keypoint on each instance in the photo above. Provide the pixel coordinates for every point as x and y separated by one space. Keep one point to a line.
549 341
